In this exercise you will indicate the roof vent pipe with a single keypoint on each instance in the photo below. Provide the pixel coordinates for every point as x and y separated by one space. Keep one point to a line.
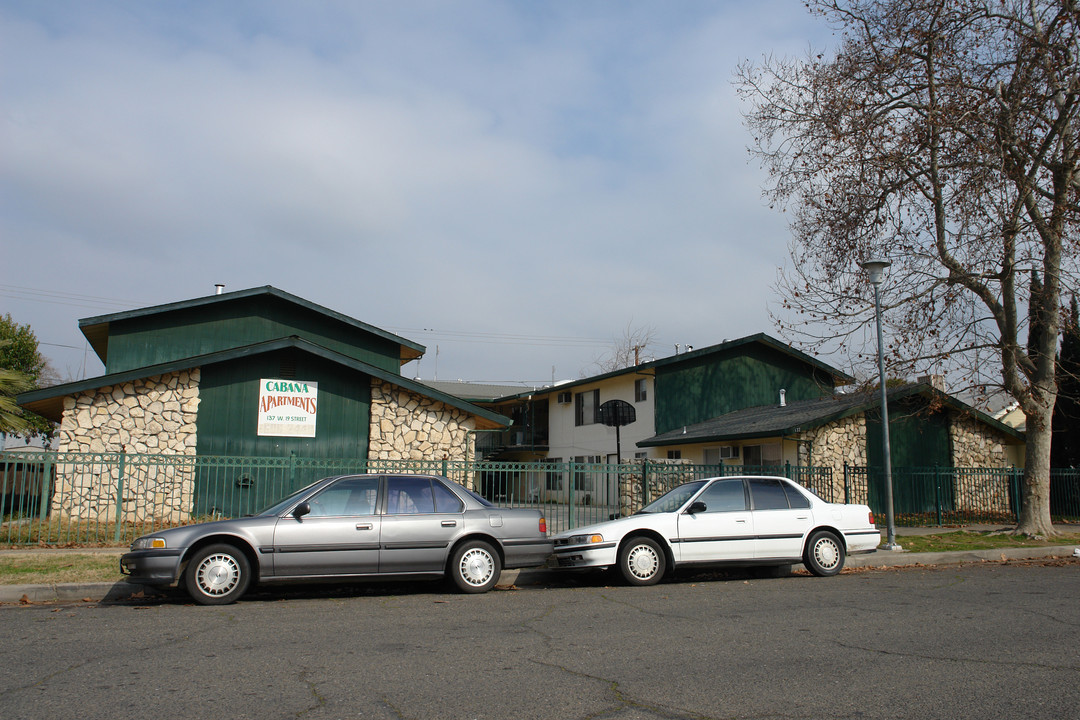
783 397
220 288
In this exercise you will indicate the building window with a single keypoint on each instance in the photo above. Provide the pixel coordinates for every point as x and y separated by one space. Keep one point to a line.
586 405
640 390
767 455
674 454
553 479
583 474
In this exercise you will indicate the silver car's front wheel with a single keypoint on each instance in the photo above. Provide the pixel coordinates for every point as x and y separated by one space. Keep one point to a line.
641 561
217 575
475 567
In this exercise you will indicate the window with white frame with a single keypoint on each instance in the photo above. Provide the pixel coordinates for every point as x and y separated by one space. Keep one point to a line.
586 405
641 392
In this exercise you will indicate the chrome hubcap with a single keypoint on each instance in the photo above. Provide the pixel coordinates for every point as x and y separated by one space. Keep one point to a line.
477 566
827 553
643 562
218 574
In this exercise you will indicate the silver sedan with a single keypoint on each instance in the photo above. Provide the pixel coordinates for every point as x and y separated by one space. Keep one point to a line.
347 527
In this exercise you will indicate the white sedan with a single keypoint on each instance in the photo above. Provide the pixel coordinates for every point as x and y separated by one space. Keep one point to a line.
763 521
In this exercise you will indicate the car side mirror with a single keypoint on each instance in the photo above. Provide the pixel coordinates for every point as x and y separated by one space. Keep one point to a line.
696 507
301 510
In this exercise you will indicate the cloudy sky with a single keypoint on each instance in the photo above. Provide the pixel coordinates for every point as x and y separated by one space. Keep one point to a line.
512 184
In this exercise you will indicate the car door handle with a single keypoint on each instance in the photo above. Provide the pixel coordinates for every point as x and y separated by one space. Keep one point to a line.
363 526
741 520
449 523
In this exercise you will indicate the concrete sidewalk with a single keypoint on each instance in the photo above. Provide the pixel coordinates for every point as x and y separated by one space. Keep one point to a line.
882 559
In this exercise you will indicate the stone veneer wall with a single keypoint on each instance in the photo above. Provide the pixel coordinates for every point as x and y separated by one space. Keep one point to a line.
975 445
834 444
155 415
663 476
407 426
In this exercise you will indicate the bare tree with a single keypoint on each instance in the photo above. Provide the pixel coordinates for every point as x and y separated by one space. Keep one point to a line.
941 135
627 350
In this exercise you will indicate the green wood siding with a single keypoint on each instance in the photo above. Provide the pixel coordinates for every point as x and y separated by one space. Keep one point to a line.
142 341
916 440
712 386
228 408
228 423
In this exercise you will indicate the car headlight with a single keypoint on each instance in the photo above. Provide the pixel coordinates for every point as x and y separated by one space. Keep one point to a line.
148 543
586 539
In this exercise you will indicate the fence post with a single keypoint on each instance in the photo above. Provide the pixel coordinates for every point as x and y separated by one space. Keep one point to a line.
937 493
847 485
787 469
120 495
444 468
292 471
644 485
45 493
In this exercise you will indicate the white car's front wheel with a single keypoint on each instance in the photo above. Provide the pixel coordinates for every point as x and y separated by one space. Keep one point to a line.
642 561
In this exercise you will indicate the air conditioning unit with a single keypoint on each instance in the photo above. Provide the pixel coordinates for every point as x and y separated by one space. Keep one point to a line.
566 397
729 452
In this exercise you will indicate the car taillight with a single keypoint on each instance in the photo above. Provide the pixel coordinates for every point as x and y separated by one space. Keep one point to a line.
871 517
543 526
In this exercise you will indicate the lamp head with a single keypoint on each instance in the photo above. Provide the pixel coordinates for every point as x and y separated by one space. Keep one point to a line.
875 268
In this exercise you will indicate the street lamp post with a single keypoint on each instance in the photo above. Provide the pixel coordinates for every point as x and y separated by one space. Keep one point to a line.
875 269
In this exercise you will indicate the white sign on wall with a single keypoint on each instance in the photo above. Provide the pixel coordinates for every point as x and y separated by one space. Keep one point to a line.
287 407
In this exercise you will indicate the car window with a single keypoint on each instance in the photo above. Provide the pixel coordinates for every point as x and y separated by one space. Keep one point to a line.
350 496
768 494
724 496
445 499
795 498
409 495
674 499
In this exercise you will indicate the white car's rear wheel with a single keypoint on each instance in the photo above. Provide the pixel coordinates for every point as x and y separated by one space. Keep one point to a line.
824 554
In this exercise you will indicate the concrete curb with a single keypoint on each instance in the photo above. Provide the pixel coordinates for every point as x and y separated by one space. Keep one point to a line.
882 559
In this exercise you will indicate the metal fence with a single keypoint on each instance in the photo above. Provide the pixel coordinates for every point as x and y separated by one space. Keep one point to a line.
110 498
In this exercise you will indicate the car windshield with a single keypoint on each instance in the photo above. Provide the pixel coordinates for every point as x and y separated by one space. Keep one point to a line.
672 500
280 505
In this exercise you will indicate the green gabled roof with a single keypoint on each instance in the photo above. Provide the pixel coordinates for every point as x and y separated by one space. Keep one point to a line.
48 402
96 329
839 376
779 421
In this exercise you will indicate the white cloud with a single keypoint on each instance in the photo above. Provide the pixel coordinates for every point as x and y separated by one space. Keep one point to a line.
545 169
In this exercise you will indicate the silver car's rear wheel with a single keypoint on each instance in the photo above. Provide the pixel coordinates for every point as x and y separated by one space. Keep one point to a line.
642 561
475 567
217 575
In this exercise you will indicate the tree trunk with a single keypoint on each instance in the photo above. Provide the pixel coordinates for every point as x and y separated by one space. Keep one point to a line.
1035 514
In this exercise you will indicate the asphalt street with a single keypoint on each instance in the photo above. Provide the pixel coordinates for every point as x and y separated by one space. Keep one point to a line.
987 640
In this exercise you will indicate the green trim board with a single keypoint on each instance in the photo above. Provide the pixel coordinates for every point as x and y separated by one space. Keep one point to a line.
48 402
